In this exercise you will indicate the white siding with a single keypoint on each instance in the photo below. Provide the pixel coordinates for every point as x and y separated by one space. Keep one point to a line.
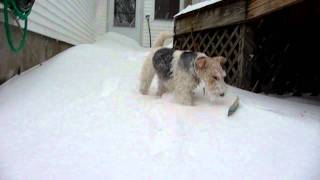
156 25
101 18
71 21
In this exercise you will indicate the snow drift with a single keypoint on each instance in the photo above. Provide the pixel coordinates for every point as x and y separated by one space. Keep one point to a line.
80 116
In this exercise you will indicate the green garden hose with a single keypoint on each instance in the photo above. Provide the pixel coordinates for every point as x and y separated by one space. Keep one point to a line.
22 11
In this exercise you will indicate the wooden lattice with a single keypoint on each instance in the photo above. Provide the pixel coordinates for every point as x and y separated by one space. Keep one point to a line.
227 42
273 54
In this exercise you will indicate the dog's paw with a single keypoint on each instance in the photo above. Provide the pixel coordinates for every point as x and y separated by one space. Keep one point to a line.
143 91
185 102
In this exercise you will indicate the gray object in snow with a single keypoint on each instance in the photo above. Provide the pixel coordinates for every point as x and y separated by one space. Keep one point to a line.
233 107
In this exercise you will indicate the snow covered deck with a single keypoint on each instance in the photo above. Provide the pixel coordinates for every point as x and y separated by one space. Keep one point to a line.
80 116
197 6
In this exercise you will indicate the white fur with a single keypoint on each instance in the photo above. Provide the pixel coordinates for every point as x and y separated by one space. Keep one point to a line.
148 71
182 84
161 38
147 74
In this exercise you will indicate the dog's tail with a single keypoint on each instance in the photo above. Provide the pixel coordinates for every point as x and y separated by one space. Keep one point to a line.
161 38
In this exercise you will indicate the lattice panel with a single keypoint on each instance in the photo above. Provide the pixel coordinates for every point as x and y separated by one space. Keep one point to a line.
225 42
262 58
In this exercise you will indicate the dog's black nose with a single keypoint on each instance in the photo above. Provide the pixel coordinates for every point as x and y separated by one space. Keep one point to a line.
222 94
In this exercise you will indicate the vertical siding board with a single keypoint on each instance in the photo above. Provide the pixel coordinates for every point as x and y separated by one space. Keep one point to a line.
156 26
71 21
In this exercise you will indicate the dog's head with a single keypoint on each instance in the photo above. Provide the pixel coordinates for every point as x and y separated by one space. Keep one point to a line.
210 71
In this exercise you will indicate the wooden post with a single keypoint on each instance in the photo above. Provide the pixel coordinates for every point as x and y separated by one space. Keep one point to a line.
247 46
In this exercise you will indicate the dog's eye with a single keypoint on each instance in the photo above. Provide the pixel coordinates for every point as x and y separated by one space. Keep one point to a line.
216 78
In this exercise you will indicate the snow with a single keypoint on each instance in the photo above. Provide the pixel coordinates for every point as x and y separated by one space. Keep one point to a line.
80 116
196 6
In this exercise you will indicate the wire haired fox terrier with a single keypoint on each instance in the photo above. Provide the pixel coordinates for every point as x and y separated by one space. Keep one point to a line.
182 71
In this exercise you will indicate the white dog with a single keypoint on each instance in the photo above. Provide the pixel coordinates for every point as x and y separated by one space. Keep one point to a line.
182 71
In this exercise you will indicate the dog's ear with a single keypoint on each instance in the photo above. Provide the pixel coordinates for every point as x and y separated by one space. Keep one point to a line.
201 62
222 60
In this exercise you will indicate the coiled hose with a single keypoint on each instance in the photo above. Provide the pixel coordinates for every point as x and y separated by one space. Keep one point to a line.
21 9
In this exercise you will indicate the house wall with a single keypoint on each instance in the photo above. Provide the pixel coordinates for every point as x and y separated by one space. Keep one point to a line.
38 49
131 32
54 25
101 17
71 21
156 26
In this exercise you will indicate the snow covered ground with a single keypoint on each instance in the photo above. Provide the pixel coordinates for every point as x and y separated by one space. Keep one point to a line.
80 116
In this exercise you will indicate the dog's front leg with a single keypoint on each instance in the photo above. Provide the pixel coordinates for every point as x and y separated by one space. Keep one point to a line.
183 87
183 96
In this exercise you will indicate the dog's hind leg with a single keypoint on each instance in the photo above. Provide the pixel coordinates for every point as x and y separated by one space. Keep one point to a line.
161 88
147 74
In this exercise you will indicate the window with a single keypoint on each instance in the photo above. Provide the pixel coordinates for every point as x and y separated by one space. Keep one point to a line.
124 13
166 9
